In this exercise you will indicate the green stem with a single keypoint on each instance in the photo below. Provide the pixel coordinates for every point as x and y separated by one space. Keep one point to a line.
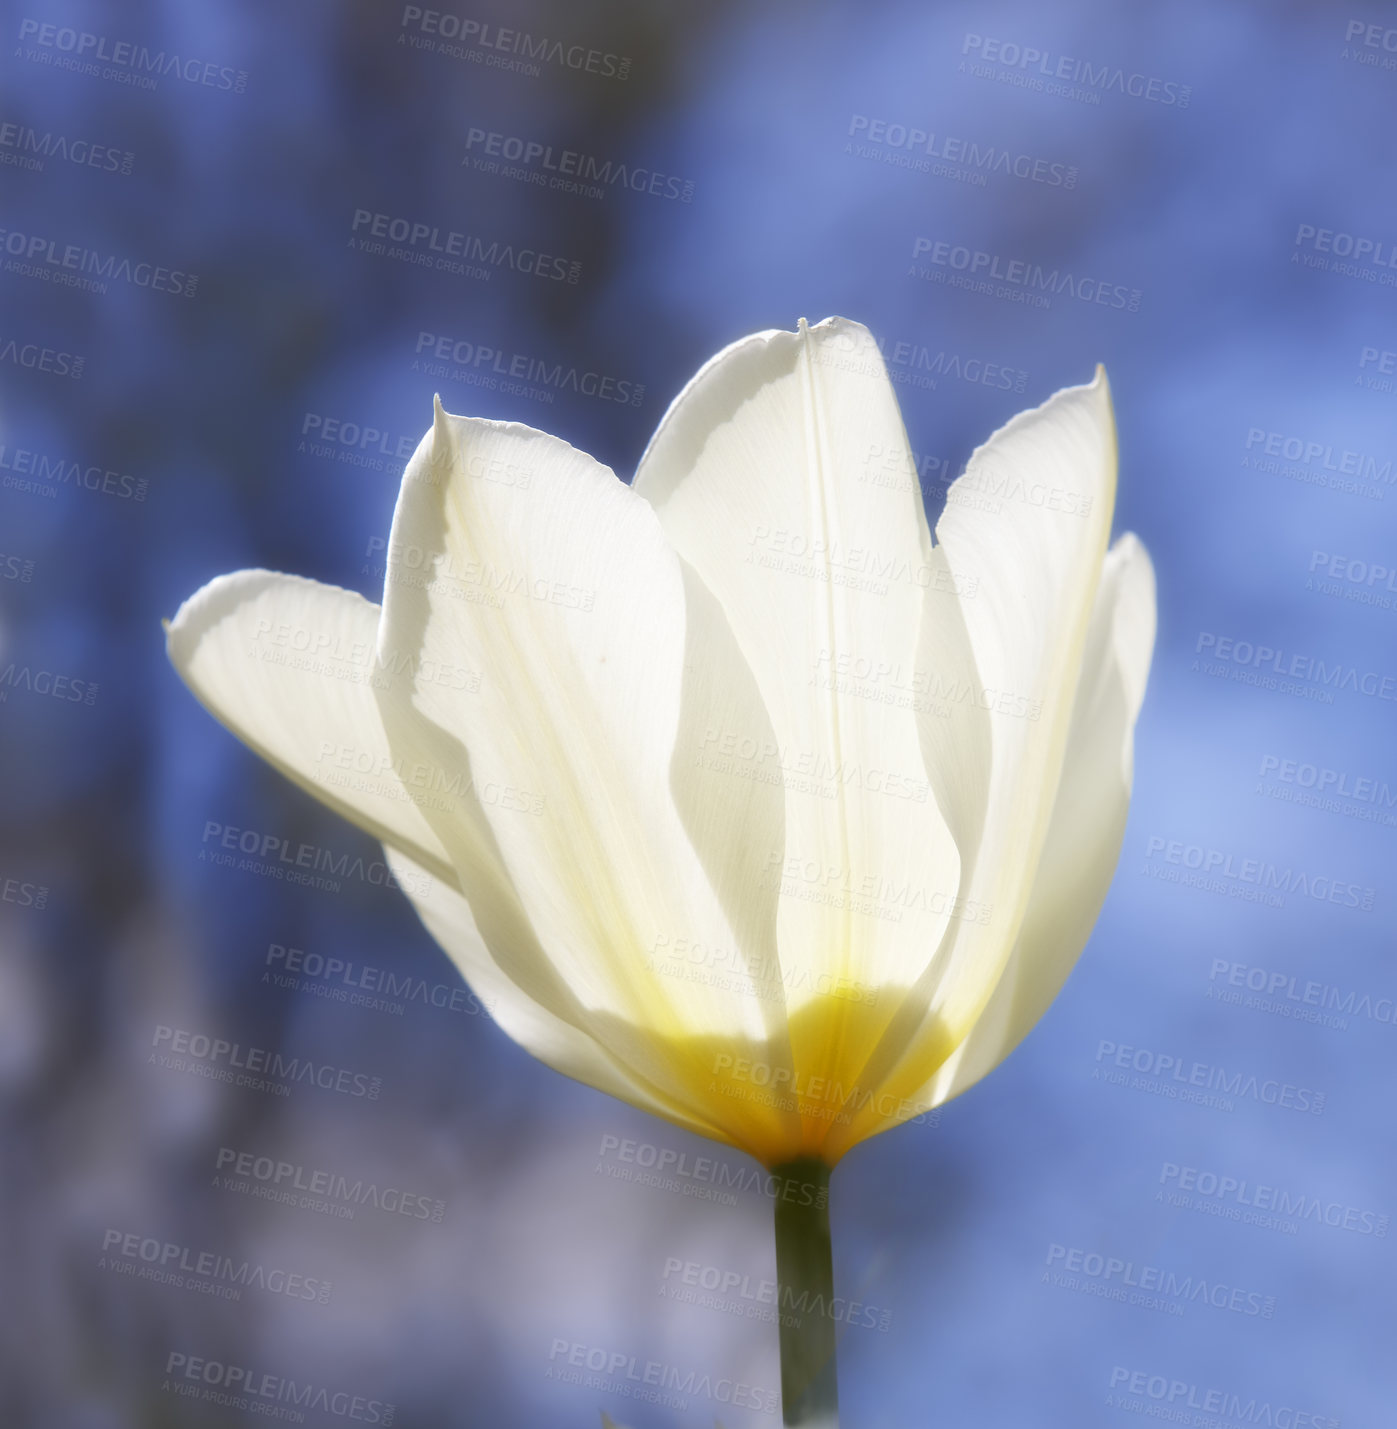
805 1277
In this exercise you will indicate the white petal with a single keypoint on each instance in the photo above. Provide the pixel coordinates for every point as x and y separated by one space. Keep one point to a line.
782 474
531 562
287 664
1024 534
1035 566
1088 821
557 1042
736 825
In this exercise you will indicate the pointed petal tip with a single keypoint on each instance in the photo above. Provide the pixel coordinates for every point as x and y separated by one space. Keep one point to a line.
1099 385
1098 388
451 435
1131 553
834 323
441 425
804 328
453 424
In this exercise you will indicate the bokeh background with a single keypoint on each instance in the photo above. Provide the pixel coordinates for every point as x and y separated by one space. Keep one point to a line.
1212 168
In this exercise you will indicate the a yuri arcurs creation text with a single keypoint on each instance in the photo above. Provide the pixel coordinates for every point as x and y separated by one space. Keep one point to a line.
731 792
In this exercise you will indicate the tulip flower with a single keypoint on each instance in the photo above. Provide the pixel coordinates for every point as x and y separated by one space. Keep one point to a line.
731 792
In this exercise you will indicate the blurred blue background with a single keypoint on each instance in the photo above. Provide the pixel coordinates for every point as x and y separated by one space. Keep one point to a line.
201 399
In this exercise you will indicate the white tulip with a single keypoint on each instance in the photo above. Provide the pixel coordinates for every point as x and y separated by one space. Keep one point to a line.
729 792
